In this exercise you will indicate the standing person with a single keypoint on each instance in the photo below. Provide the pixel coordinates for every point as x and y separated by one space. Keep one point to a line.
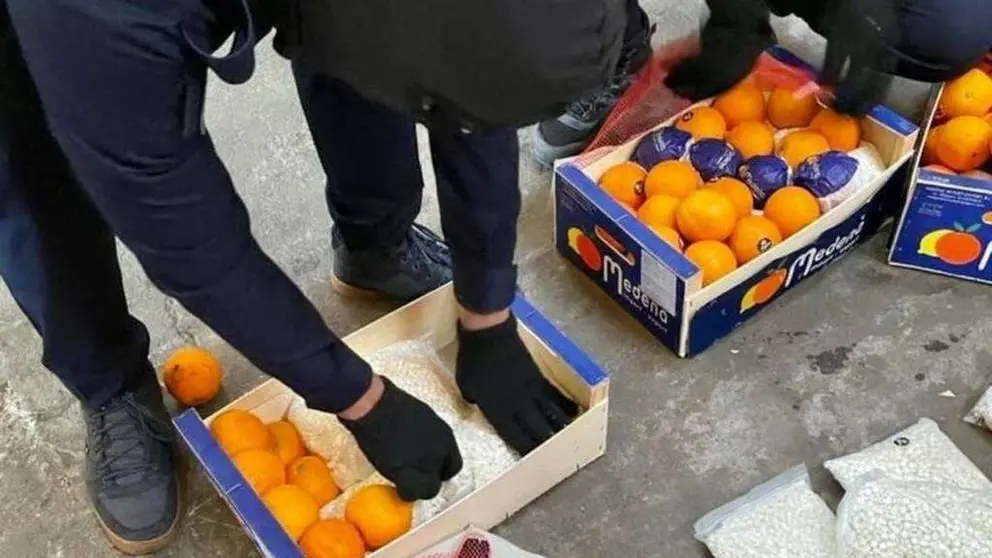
101 135
868 41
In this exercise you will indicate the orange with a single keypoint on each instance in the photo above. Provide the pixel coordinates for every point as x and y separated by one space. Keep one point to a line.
792 208
743 103
192 375
674 178
715 259
625 182
930 146
842 132
332 538
706 214
752 139
380 515
969 95
761 82
289 443
737 191
659 211
801 145
670 236
964 143
703 122
311 474
237 431
753 236
262 470
293 508
788 108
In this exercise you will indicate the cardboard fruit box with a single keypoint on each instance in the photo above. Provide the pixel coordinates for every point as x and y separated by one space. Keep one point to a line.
946 223
663 290
432 317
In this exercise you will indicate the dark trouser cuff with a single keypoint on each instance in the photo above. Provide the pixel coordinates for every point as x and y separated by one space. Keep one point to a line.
483 288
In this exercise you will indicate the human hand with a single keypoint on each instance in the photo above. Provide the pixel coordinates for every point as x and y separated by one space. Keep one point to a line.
407 442
861 39
495 371
725 58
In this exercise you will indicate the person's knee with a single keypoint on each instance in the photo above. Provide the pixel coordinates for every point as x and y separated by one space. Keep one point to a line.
948 36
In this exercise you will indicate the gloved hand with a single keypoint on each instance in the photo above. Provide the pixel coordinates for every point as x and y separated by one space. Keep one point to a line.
408 443
737 32
861 39
495 371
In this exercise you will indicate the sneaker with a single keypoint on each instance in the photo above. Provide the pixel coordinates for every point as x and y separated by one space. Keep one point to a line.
131 470
420 264
571 132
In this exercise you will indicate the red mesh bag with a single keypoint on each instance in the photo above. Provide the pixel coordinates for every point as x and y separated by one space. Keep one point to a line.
648 102
476 543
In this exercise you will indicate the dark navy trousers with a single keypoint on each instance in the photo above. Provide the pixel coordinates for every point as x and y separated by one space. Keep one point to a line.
101 137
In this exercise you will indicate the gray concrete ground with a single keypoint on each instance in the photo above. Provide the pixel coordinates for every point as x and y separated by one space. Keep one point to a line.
848 357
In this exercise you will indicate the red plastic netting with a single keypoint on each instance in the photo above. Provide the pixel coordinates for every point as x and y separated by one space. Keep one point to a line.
648 102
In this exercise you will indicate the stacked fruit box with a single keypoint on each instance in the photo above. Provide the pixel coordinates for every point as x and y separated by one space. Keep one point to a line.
946 224
698 224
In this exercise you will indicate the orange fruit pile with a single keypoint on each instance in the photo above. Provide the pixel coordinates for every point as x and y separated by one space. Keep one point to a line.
715 224
295 485
192 375
960 142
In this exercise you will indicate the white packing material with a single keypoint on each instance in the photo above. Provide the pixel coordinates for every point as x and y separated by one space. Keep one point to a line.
414 367
882 517
920 453
781 518
483 451
326 437
870 167
981 413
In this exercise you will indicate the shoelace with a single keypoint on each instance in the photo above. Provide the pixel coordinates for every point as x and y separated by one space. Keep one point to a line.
423 244
594 102
124 427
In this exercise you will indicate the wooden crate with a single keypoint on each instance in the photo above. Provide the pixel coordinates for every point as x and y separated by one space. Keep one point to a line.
432 317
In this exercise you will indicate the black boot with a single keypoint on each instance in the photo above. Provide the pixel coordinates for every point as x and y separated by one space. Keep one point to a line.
571 132
131 469
418 265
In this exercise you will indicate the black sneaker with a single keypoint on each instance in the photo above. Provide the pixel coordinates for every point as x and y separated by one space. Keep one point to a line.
571 132
420 264
131 470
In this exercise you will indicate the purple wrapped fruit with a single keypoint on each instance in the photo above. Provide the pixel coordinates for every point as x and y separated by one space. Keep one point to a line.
665 144
827 173
765 175
715 158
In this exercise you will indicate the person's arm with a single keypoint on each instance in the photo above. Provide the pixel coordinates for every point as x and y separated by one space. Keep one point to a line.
733 37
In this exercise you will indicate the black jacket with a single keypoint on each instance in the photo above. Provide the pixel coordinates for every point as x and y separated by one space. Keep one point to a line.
469 64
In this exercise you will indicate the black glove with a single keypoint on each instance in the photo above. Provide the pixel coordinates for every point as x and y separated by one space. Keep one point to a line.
733 38
496 372
408 443
861 43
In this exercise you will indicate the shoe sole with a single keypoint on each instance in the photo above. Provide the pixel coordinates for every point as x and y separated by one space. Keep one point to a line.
546 154
356 293
137 548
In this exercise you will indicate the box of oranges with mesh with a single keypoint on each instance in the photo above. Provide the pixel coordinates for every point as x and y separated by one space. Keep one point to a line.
946 223
699 223
297 481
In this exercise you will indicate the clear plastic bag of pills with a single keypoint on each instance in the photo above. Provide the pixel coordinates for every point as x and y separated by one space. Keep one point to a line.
920 453
781 518
882 517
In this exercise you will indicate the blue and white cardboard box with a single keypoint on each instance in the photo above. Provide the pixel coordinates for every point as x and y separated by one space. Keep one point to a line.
946 223
432 317
663 290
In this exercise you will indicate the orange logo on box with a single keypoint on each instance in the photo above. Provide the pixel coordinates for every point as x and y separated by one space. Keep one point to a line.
763 291
954 247
582 245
